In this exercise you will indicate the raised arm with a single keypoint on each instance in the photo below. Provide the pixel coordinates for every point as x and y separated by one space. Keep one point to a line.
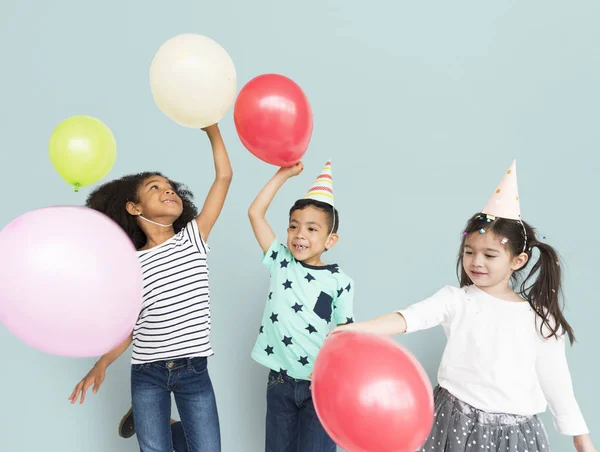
215 198
258 209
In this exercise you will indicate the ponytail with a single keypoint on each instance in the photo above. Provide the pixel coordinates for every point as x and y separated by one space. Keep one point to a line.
545 292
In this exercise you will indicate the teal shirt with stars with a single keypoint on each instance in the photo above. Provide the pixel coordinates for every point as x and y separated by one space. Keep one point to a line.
303 300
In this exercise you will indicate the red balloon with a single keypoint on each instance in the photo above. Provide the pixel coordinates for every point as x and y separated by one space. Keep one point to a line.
371 395
273 119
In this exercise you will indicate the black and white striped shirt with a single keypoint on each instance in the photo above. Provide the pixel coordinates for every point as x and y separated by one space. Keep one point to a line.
174 320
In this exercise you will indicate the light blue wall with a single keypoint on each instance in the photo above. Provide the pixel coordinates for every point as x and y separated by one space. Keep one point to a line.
421 105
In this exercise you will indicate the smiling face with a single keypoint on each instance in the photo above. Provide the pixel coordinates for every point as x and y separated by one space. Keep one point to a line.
158 201
308 235
488 262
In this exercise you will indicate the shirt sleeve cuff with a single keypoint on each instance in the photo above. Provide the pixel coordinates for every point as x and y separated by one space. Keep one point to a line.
274 247
411 323
196 237
571 425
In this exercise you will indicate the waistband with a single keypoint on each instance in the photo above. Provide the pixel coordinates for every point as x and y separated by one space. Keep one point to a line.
281 376
173 364
480 416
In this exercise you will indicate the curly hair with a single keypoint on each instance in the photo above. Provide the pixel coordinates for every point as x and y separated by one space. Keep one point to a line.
112 197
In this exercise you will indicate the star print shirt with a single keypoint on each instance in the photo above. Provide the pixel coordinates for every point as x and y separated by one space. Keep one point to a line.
496 359
302 301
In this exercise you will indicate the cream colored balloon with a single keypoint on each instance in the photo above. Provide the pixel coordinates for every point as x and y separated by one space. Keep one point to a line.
193 80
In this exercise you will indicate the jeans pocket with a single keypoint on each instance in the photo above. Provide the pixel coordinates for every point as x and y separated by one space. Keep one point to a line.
274 379
198 366
139 367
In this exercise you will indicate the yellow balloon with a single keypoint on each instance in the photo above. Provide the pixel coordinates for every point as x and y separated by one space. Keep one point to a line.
82 150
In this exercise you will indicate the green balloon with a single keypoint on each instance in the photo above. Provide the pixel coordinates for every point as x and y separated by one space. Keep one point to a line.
82 150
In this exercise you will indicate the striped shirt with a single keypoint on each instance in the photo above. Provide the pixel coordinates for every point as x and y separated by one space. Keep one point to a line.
174 320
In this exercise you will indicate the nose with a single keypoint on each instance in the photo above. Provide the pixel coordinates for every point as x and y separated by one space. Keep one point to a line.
169 191
477 260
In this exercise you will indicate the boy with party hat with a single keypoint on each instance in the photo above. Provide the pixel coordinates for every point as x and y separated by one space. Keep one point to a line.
305 296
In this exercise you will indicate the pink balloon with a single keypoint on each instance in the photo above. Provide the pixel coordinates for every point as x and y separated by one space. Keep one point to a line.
70 281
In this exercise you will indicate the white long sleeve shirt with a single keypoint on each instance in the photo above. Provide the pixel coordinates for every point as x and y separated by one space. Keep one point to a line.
496 359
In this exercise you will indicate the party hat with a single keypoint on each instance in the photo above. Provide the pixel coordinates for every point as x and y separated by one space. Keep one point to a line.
504 203
322 189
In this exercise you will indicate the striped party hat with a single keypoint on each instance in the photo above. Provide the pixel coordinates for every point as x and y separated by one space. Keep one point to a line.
504 203
322 189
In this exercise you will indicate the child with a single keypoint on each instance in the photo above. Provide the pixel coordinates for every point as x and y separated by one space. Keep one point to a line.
505 355
304 296
171 339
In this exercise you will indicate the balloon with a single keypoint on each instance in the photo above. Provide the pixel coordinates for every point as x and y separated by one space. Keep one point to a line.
371 395
70 281
273 119
82 150
193 80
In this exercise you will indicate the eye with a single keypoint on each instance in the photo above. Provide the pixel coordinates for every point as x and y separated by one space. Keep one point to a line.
292 226
490 256
153 187
468 252
312 229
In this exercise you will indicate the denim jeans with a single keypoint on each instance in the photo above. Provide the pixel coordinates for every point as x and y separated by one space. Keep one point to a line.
151 388
292 422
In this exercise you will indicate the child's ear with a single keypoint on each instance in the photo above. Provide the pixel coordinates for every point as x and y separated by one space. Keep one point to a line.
519 261
331 241
132 209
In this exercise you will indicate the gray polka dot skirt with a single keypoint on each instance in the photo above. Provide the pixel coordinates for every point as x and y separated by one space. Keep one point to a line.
459 427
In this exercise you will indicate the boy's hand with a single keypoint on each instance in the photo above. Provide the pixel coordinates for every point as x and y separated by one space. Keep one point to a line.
258 209
292 170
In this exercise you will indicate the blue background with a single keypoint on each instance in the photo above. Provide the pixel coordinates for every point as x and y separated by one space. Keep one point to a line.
421 106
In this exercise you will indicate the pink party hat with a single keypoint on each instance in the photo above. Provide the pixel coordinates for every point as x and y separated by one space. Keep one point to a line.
322 189
504 203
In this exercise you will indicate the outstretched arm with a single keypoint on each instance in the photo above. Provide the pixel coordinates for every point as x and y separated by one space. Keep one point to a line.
387 324
258 209
215 199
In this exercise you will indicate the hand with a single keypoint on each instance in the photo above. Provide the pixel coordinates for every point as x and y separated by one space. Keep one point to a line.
292 170
210 128
339 328
94 377
583 443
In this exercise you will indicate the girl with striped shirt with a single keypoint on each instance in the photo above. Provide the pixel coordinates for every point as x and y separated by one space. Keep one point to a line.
171 338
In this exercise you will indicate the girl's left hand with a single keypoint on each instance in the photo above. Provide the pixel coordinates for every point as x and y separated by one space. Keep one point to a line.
337 329
583 443
209 128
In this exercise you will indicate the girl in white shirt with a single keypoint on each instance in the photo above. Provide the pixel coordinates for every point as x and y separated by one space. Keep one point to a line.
504 359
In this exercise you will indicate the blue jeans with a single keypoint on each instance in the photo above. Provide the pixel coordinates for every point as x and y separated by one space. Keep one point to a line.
292 422
151 388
